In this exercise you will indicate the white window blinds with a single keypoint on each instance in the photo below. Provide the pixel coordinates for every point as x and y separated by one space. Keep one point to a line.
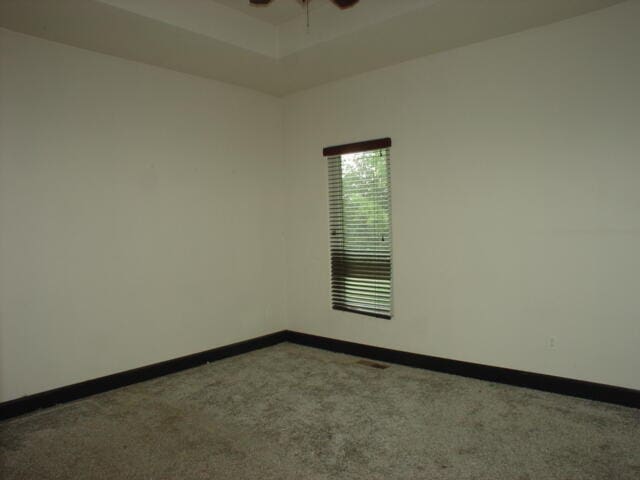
360 227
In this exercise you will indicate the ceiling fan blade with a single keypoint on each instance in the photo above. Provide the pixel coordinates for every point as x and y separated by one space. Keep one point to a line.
339 3
345 3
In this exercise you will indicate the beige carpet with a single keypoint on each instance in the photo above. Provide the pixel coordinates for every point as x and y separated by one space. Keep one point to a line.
292 412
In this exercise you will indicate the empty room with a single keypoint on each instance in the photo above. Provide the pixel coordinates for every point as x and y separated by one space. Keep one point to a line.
320 239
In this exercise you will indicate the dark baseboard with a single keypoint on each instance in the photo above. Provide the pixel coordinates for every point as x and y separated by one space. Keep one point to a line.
76 391
537 381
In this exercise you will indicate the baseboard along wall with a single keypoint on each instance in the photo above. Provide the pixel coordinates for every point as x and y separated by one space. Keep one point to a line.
548 383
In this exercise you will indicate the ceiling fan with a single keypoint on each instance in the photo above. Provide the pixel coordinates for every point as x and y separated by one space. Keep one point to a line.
342 4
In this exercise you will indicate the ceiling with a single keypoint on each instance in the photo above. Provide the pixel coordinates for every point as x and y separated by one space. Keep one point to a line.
270 49
278 12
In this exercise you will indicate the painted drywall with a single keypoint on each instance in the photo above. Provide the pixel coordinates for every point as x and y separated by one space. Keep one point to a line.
145 214
516 200
140 215
209 18
212 41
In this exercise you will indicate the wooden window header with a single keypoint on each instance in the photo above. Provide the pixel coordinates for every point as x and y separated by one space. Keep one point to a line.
357 147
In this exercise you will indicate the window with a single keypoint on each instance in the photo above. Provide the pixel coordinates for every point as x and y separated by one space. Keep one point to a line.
360 227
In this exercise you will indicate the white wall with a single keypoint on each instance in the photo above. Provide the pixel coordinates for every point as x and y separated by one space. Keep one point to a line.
516 199
140 215
145 214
